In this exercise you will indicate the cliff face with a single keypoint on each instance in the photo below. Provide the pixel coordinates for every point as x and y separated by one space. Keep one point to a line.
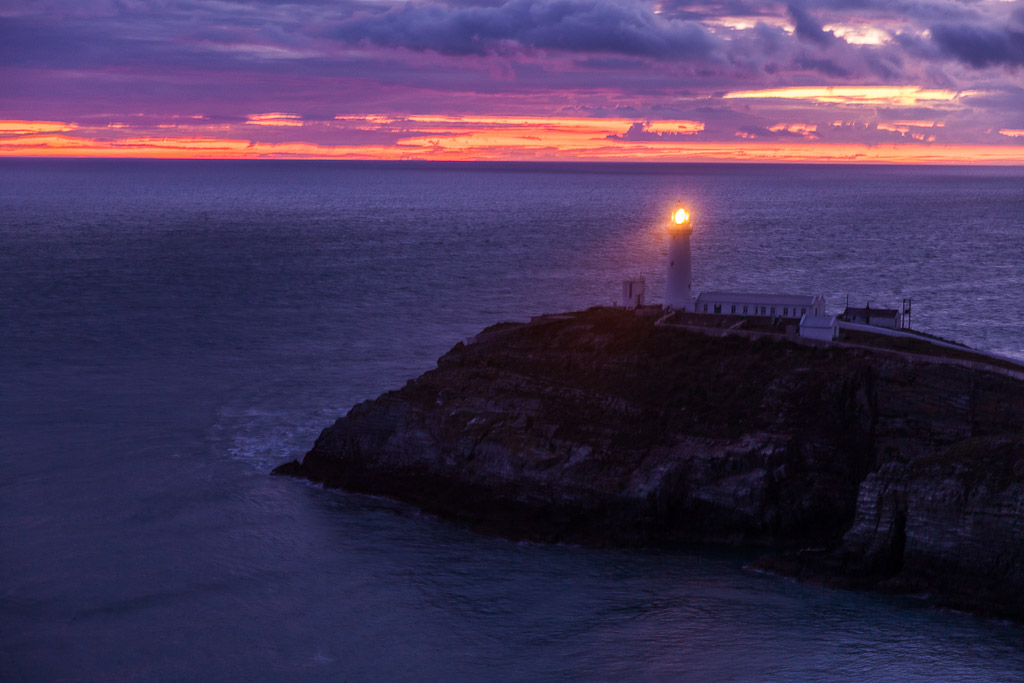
950 524
600 427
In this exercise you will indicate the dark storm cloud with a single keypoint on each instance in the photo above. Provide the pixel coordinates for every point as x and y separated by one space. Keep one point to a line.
916 46
808 28
824 66
913 10
980 46
314 38
687 9
605 26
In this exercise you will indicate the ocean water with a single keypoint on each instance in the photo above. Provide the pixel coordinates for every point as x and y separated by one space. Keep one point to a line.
173 330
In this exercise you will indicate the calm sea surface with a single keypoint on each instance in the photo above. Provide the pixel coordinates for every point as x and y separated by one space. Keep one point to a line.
173 330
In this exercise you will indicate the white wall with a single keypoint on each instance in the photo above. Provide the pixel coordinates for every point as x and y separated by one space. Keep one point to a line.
782 310
678 294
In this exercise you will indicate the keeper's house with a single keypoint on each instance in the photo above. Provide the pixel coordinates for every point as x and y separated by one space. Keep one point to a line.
793 306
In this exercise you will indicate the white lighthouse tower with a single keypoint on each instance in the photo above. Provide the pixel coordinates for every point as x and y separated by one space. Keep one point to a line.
677 288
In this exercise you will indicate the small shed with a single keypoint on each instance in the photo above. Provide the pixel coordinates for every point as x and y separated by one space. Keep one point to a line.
822 327
879 317
633 292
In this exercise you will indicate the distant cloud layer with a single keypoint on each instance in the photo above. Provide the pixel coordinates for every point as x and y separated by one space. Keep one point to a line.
589 26
981 46
353 74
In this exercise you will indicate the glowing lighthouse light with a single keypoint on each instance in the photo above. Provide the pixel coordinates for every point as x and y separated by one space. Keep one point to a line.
677 286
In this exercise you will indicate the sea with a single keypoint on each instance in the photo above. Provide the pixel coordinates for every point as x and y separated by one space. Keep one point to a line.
173 330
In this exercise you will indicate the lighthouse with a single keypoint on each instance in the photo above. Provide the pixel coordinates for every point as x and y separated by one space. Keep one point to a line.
677 288
774 308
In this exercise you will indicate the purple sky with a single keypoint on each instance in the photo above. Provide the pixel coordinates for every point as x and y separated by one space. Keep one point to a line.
907 73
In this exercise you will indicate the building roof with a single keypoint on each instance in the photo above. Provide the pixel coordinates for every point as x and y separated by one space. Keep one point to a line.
757 298
872 312
818 321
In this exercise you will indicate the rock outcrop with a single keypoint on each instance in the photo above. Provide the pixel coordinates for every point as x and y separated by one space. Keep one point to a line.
601 427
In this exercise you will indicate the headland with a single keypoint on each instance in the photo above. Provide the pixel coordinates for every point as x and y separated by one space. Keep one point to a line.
855 465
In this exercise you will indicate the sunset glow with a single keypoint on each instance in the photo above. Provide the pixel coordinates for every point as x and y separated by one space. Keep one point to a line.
515 80
486 139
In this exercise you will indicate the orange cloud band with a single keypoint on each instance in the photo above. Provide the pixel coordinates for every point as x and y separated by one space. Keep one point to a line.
482 138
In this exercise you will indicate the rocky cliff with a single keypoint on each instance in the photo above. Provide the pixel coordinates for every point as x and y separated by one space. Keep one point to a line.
601 427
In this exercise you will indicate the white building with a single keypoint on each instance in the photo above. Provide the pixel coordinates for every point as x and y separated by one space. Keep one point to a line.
879 317
677 286
633 292
823 327
793 306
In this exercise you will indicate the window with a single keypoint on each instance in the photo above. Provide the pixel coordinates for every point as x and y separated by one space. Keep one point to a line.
763 310
705 308
785 312
744 310
734 308
803 311
773 310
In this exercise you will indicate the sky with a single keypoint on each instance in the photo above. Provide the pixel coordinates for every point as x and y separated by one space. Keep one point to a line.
878 81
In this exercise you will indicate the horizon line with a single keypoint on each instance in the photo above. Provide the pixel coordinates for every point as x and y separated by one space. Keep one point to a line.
603 161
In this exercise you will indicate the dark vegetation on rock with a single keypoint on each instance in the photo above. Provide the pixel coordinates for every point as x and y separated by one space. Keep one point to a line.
856 467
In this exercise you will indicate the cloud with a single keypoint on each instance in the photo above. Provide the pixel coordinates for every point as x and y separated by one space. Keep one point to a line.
274 119
945 10
575 26
979 46
871 96
497 138
762 133
246 64
660 131
825 66
807 28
